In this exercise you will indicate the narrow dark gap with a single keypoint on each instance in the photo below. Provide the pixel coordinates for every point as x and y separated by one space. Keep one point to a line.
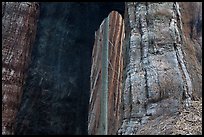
56 92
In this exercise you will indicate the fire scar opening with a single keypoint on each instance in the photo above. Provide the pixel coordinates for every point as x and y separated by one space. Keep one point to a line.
57 90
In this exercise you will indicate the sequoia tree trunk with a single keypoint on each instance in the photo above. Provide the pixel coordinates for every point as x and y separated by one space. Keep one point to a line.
157 79
115 73
161 56
18 34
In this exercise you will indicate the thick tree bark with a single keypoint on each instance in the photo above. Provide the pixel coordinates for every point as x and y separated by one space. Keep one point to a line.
18 34
163 66
157 78
115 73
192 47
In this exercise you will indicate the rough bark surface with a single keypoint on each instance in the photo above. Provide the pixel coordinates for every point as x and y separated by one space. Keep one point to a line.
192 34
157 81
18 34
155 74
115 71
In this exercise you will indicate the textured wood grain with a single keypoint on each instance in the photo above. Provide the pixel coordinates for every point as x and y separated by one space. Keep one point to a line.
115 69
18 33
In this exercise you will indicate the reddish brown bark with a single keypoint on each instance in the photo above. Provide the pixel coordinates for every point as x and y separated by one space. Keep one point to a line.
116 36
192 33
19 21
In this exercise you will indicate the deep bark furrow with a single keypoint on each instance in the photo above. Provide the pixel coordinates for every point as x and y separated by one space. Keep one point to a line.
155 31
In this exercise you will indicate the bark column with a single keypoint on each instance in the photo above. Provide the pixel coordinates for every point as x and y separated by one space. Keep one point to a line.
100 62
104 97
18 33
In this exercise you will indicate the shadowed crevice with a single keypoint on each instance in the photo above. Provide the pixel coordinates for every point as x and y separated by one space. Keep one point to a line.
56 92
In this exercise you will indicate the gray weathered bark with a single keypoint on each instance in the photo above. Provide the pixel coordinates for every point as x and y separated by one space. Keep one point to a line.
156 81
104 96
